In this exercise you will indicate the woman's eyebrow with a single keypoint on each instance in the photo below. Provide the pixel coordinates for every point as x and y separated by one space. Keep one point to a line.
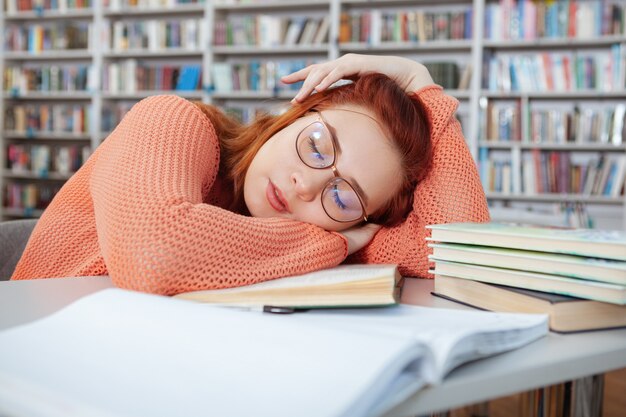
353 182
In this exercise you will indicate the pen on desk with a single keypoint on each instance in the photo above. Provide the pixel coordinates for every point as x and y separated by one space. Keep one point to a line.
278 310
268 309
283 310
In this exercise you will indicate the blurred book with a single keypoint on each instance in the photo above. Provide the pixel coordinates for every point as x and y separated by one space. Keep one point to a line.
189 77
567 314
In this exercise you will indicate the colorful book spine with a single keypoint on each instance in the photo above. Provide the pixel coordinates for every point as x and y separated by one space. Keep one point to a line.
555 71
35 119
47 78
379 26
530 19
255 75
129 76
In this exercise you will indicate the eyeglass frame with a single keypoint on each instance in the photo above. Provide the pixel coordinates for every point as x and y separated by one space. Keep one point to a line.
332 166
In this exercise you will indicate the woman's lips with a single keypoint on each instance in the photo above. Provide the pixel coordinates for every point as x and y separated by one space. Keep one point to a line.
276 199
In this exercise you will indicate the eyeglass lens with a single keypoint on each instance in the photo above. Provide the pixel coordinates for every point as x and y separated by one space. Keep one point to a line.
316 149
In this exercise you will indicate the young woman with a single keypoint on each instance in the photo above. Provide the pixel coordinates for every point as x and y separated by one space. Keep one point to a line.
179 197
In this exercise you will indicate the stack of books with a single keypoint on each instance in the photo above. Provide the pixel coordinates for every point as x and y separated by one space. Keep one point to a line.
577 276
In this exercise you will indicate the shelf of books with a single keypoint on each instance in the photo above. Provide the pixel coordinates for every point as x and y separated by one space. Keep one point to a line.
540 94
436 34
256 43
552 112
48 77
149 48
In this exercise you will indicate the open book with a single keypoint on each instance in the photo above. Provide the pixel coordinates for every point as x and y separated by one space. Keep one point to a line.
344 285
117 352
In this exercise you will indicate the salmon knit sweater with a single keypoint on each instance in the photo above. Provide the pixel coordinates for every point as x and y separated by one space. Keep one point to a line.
146 209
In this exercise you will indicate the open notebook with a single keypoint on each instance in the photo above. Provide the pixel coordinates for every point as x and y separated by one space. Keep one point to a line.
123 353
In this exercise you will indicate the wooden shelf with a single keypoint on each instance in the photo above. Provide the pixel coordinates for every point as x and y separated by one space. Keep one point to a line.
559 43
555 95
138 95
255 95
51 176
164 53
86 13
277 50
37 135
272 6
53 95
176 10
430 46
556 198
21 213
598 147
81 54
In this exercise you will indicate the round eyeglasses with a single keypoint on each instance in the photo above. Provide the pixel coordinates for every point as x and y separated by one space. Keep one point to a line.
317 149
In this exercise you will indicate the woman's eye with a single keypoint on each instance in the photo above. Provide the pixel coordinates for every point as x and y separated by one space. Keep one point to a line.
337 199
314 150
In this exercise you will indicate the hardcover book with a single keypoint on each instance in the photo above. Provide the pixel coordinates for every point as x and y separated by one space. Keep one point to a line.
607 244
567 314
592 290
597 269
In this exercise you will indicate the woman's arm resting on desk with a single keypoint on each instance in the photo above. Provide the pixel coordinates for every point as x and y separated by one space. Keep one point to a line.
156 234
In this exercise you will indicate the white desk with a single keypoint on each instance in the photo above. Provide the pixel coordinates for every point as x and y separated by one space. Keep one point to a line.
550 360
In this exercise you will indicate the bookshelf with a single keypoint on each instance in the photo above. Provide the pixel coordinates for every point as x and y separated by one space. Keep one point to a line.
233 52
552 108
45 109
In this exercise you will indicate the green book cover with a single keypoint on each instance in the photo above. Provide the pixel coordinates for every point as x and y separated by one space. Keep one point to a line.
597 269
606 244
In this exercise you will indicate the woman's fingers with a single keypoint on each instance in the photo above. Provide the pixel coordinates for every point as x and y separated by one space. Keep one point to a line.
321 76
334 76
294 77
313 78
309 84
319 80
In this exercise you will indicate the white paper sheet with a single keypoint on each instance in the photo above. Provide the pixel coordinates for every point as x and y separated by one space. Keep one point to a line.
127 353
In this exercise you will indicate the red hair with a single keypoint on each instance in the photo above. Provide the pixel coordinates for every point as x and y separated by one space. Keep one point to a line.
403 117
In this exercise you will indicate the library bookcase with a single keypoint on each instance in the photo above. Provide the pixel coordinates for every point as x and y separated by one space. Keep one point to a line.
541 86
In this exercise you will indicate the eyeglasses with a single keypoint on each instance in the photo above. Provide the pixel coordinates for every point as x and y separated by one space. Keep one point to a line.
317 149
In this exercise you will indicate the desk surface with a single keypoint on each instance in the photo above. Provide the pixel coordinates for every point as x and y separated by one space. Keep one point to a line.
550 360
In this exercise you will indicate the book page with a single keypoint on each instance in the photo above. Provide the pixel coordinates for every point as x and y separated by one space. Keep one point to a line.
452 336
126 353
122 353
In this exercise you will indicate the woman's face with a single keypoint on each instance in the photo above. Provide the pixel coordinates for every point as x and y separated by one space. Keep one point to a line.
280 182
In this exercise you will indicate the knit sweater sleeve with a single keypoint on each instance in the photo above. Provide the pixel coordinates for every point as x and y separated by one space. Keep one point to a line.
451 192
155 233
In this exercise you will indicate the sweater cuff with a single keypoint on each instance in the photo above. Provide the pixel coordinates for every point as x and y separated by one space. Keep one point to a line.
426 88
345 244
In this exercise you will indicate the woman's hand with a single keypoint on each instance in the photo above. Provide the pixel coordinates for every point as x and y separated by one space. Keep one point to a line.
359 236
409 75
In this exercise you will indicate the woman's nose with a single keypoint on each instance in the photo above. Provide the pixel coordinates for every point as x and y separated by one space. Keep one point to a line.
308 185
